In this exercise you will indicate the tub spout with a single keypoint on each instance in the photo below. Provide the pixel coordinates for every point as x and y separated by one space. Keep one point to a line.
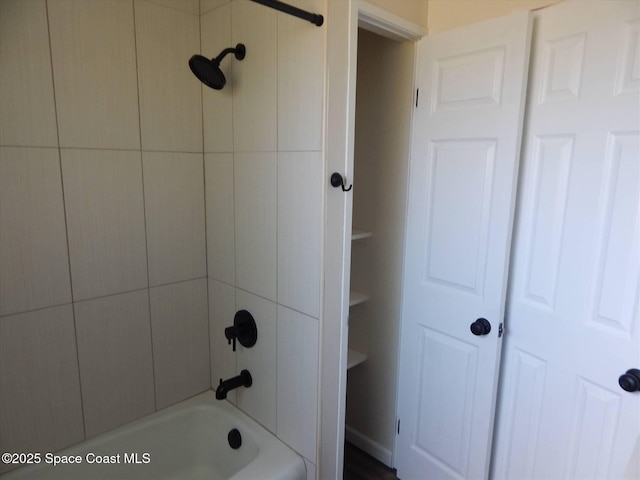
242 380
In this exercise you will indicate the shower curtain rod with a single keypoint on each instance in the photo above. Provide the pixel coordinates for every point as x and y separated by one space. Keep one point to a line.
314 18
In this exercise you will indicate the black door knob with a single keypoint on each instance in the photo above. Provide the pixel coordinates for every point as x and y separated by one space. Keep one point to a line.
630 381
480 327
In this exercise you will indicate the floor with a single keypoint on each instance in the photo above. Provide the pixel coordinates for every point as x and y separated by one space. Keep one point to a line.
359 465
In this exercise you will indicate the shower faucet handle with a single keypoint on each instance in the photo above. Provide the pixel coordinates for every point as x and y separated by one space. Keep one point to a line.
244 329
229 332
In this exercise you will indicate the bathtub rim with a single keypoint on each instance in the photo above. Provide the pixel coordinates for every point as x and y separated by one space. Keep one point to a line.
275 459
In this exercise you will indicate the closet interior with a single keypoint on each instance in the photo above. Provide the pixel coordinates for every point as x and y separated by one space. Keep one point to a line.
384 102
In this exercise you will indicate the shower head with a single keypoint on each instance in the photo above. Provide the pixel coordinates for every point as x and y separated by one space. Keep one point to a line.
208 71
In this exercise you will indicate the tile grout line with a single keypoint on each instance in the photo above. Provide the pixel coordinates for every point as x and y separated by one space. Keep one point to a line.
277 17
57 147
144 150
144 212
66 223
233 190
108 295
204 192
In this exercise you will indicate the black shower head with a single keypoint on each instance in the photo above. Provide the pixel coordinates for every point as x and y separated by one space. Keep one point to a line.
208 71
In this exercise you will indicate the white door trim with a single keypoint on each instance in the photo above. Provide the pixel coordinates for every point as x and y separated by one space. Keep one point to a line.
378 20
343 20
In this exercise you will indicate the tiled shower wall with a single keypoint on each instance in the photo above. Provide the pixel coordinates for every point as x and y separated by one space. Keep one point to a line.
103 288
264 184
103 254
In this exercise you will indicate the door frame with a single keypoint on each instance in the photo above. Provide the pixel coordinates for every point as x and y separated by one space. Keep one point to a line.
343 20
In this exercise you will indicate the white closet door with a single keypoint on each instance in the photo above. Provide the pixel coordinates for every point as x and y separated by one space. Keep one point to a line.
572 314
466 146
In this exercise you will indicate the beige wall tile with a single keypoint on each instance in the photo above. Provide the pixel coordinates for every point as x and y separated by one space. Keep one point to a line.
217 105
94 69
105 221
180 327
27 115
297 380
255 227
174 211
220 216
300 81
299 230
116 370
207 5
33 238
189 6
259 400
39 385
222 309
170 96
255 118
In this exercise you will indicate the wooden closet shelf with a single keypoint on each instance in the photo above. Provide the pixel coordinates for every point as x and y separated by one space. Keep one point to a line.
359 234
354 358
356 298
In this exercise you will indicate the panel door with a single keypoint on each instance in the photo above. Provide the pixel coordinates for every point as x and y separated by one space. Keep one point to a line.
572 315
464 163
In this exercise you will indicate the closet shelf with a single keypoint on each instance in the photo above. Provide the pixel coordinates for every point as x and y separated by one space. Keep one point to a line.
359 234
354 358
355 298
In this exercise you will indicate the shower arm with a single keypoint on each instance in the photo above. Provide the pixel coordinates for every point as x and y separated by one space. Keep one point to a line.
314 18
223 54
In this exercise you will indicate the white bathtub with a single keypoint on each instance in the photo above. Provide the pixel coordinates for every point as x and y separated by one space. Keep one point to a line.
185 441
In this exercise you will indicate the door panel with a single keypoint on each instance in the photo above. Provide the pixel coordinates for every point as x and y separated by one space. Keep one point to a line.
552 162
486 68
615 283
446 438
465 150
594 420
457 240
572 313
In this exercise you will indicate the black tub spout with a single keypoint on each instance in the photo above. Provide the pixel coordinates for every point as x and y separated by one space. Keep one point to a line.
242 380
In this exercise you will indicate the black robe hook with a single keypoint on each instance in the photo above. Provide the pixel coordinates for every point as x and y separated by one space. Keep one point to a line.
338 181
